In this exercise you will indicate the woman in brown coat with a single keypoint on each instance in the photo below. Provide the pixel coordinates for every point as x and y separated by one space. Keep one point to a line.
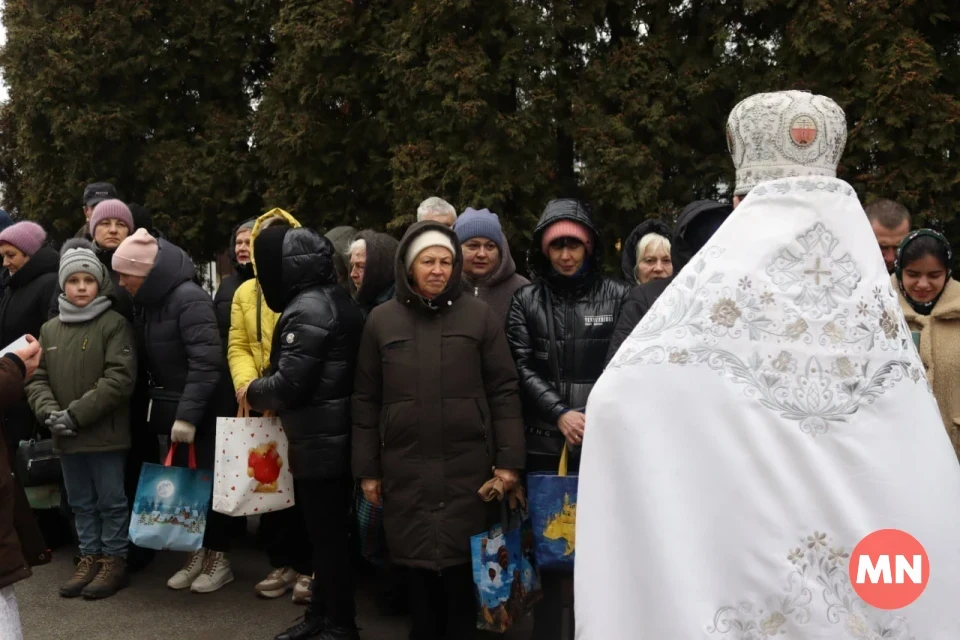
21 544
930 300
436 414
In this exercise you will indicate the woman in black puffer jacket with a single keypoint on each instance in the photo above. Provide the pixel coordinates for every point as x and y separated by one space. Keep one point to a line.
312 361
564 260
571 300
177 334
30 278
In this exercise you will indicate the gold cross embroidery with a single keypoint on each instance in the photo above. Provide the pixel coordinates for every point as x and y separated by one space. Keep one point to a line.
817 271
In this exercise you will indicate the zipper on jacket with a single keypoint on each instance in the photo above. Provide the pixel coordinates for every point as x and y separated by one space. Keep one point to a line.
569 354
260 330
476 292
483 430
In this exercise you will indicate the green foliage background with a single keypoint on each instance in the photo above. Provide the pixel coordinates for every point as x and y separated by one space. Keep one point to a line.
209 111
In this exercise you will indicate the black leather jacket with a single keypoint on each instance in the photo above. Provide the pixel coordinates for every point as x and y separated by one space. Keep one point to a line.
585 311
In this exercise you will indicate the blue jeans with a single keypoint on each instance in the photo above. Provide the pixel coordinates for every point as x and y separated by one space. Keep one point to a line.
96 495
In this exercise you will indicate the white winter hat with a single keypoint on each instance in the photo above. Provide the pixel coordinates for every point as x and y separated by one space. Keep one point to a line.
783 135
427 239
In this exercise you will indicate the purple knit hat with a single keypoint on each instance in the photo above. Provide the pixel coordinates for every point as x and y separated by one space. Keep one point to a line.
26 236
111 209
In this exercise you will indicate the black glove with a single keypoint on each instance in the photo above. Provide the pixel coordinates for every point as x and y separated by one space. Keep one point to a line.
61 423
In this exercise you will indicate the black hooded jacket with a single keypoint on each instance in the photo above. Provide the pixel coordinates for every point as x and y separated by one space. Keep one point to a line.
378 279
26 295
23 310
683 247
223 300
585 312
628 260
314 350
177 331
435 409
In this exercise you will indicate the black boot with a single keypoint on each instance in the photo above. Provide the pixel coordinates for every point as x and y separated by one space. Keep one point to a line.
348 632
309 628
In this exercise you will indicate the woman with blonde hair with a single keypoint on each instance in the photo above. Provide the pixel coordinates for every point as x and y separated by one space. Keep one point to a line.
646 253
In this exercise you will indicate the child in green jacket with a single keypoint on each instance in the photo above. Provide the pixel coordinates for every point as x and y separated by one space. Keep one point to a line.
81 391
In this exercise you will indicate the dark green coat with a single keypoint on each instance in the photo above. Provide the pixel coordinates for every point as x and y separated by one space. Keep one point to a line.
90 369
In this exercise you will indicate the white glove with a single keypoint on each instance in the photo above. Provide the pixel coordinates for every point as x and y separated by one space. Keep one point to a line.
182 431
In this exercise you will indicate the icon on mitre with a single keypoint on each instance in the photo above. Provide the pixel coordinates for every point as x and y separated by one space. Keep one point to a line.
263 465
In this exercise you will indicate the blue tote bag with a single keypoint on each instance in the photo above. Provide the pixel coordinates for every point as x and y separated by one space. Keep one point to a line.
507 582
171 506
553 514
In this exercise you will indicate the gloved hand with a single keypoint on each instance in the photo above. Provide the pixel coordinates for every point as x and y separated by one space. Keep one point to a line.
61 423
182 431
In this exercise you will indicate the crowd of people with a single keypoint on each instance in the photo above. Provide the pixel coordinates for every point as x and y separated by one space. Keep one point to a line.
415 370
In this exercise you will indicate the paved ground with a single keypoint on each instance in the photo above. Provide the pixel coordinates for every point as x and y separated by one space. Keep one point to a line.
148 610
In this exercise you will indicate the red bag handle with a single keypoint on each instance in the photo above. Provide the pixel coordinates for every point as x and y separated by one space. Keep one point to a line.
191 457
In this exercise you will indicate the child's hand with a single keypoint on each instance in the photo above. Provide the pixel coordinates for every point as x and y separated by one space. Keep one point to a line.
61 423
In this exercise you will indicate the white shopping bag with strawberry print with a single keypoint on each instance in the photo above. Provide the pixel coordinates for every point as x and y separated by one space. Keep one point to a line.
252 472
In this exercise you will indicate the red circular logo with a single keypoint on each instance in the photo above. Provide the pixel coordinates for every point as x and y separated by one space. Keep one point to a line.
803 130
889 569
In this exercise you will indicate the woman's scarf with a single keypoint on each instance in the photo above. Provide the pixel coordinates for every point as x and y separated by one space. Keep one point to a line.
923 308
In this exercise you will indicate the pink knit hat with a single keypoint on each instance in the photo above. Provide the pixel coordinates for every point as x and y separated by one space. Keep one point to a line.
111 209
135 255
567 229
26 236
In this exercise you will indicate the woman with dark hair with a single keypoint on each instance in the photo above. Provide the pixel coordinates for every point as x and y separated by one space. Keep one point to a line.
930 299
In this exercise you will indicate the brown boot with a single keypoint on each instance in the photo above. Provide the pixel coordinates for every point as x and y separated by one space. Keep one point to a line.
112 578
87 569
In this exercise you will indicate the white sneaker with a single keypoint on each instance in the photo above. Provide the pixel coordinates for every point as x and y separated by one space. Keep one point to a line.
216 573
194 566
277 583
302 593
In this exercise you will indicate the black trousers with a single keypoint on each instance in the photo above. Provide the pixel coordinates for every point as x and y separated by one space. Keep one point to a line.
325 504
286 540
442 605
557 587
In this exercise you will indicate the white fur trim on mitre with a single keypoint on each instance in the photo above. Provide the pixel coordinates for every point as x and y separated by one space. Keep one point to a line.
425 240
784 135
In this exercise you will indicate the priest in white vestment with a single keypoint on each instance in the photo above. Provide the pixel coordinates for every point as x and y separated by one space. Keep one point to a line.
768 413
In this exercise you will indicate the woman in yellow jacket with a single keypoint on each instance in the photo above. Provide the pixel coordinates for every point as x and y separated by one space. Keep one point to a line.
248 354
930 300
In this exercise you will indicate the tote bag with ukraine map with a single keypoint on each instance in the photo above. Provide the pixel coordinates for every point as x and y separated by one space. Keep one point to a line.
553 514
